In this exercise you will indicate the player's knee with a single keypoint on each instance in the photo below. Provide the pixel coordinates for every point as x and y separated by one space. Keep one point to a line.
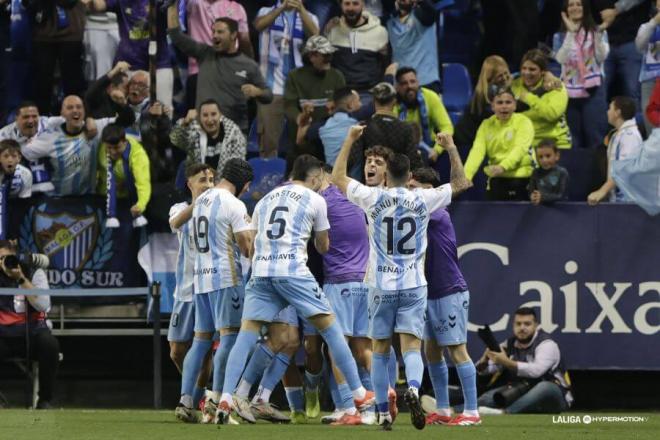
433 352
178 352
458 353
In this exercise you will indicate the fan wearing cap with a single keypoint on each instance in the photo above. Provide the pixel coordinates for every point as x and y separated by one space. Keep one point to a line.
282 29
308 92
386 130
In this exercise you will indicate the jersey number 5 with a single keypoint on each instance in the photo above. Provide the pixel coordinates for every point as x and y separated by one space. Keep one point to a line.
276 222
401 225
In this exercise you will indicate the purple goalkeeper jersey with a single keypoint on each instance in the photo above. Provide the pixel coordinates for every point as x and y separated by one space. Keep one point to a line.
441 267
132 19
346 260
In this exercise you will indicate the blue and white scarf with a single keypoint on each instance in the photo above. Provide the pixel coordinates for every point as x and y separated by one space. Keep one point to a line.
111 199
423 118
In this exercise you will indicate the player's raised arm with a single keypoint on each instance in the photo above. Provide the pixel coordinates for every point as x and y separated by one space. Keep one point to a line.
339 172
457 178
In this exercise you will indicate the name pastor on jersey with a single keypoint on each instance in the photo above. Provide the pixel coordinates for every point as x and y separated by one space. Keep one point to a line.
296 196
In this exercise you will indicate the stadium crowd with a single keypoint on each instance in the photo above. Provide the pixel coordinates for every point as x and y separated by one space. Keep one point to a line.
347 100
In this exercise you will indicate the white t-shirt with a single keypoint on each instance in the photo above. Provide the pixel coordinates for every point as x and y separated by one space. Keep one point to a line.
398 219
185 260
73 158
625 144
217 216
21 183
284 219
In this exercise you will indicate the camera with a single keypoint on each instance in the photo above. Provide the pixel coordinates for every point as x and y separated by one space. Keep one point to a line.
11 262
511 393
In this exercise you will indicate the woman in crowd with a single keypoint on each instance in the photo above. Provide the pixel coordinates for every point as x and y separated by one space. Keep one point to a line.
545 108
208 137
581 49
505 139
648 43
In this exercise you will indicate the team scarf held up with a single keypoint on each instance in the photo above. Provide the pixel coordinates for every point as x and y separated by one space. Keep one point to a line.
111 201
423 118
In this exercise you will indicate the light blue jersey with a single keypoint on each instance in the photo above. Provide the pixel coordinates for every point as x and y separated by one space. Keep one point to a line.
185 260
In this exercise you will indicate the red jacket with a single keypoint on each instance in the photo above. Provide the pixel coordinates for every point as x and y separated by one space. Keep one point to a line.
653 107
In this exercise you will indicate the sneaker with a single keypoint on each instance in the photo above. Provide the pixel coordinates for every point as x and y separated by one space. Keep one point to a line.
368 400
312 404
208 410
242 408
490 411
349 420
428 404
463 420
416 413
298 417
331 418
368 417
222 413
185 414
266 411
385 422
437 419
43 404
391 398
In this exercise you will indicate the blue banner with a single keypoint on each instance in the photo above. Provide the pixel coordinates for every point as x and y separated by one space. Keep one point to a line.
71 232
592 273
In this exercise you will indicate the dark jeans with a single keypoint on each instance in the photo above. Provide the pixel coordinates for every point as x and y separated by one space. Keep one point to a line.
508 189
587 119
544 398
45 56
624 63
45 349
191 92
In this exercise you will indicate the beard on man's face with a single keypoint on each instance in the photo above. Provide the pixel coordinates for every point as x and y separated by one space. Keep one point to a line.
353 18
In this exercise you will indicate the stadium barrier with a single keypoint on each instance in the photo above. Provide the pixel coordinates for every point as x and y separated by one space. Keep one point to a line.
152 294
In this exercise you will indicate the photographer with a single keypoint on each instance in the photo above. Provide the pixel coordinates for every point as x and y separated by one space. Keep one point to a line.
43 346
530 362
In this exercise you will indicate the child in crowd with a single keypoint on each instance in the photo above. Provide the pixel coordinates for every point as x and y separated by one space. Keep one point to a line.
14 177
548 182
625 142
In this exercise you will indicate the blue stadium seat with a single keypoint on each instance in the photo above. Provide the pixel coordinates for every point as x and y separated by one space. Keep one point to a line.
268 173
457 89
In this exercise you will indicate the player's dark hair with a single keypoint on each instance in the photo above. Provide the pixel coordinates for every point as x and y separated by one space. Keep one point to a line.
238 172
327 168
303 165
403 71
526 311
230 22
547 143
113 134
380 151
398 167
196 168
626 106
26 104
9 145
426 175
209 101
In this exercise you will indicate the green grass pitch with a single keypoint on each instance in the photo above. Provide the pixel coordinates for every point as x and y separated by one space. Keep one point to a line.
161 425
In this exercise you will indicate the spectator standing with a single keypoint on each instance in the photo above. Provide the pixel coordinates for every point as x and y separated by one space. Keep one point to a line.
101 42
133 21
384 129
201 16
422 107
333 132
505 139
648 44
361 44
283 28
652 111
548 181
581 48
414 40
106 96
57 39
225 75
209 137
20 310
622 19
625 142
546 108
125 163
311 86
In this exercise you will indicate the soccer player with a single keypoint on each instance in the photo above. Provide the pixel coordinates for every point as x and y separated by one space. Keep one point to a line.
221 232
283 221
398 219
199 178
72 154
375 165
446 314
